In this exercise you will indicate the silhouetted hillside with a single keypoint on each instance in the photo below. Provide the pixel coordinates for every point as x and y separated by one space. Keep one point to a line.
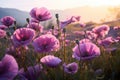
87 13
20 16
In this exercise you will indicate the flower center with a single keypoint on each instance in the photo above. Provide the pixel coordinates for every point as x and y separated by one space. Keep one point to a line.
70 68
40 17
24 38
85 54
2 69
44 46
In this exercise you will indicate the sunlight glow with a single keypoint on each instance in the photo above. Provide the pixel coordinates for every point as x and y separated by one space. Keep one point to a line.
56 4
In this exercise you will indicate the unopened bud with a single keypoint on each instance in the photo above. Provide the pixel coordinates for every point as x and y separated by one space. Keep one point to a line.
77 42
52 27
15 23
27 19
64 30
57 15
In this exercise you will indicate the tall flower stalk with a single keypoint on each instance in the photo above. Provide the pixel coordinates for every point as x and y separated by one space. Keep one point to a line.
58 24
64 49
52 30
80 62
15 25
27 20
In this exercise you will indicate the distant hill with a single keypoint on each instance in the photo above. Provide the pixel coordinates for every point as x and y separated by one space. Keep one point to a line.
20 16
87 13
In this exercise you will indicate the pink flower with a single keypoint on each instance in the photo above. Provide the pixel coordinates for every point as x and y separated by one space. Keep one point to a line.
79 33
40 14
46 43
101 31
7 20
2 33
32 73
91 35
23 36
84 40
51 61
82 24
34 21
71 68
75 18
35 26
50 31
116 27
117 38
85 51
3 27
69 21
8 68
107 41
67 42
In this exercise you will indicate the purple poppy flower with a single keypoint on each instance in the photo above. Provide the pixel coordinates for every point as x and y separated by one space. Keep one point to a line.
84 40
50 61
46 43
34 21
98 72
117 38
85 51
21 77
69 21
116 27
75 18
79 33
54 32
101 31
82 24
22 36
32 73
67 42
71 68
91 35
35 26
40 14
107 41
3 27
2 33
7 20
8 68
50 31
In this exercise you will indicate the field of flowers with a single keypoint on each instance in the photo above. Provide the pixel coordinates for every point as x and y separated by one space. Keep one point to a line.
33 53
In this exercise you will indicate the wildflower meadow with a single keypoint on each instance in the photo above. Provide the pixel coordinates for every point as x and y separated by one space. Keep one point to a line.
58 53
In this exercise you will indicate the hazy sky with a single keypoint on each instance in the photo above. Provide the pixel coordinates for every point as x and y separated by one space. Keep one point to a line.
27 5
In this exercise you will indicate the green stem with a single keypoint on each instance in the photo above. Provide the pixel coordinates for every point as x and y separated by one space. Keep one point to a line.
64 49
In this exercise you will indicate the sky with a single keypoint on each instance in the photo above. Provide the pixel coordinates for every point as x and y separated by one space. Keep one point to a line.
27 5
